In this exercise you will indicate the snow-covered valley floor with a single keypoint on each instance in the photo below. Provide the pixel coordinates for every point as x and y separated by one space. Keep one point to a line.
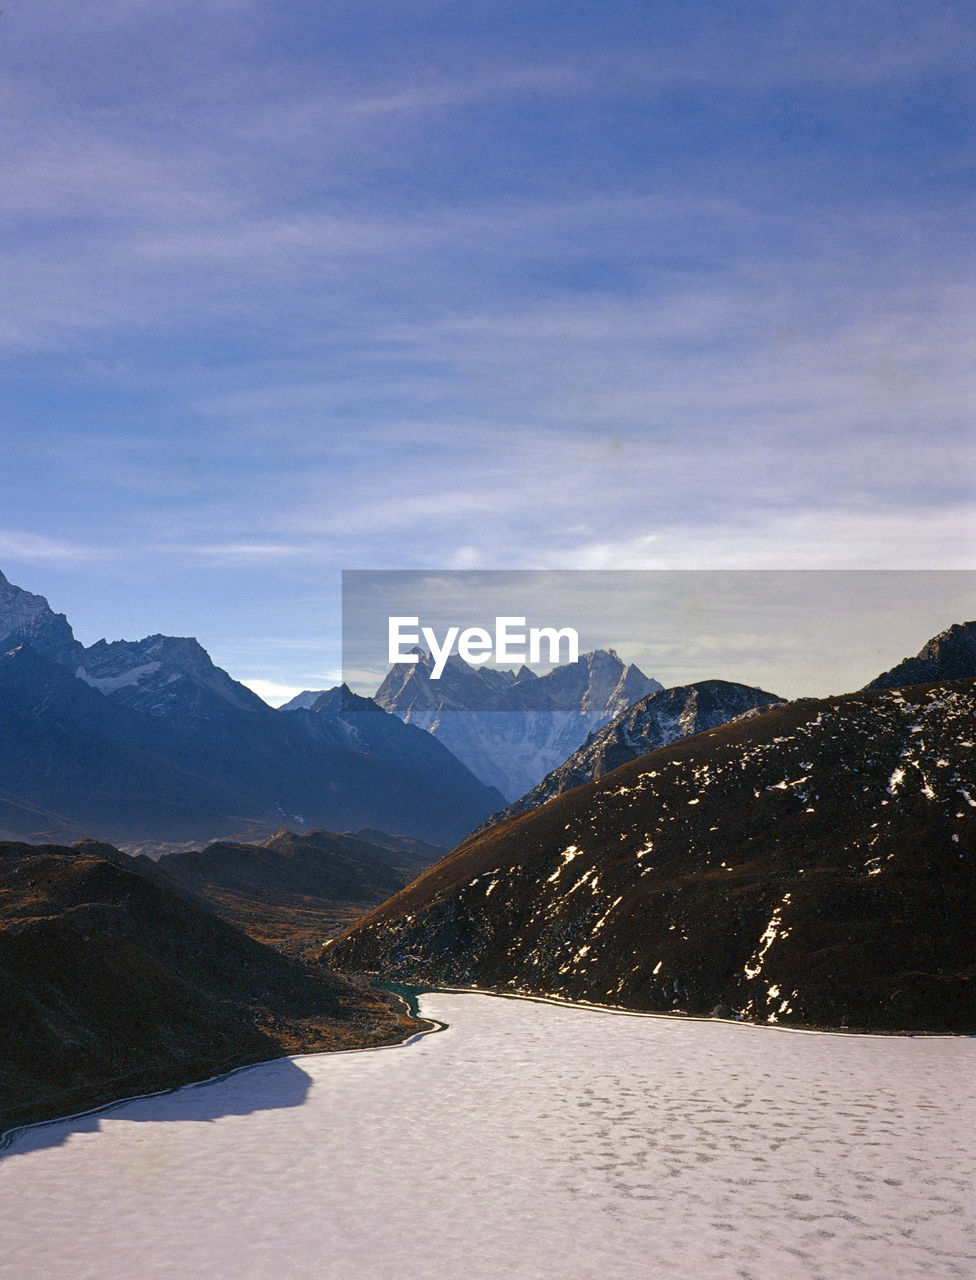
529 1141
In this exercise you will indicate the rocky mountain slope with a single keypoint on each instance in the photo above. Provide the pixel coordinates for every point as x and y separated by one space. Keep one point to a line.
951 655
292 887
654 721
149 740
111 984
814 864
511 728
28 617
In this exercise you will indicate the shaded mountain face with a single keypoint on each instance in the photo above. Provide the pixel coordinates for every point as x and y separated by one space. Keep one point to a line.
510 728
148 740
951 655
654 721
73 763
292 887
112 985
420 788
814 864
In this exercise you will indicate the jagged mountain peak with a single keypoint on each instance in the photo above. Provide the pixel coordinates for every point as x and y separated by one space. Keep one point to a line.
26 616
159 675
950 655
511 727
960 633
165 676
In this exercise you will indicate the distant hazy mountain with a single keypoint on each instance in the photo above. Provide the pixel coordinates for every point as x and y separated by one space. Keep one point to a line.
951 655
133 741
654 721
112 985
407 854
511 728
814 864
296 886
302 701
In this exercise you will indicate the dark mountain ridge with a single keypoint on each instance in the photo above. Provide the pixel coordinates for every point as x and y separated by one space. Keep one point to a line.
951 655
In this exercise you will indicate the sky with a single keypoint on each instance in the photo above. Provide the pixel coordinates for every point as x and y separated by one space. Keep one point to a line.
288 289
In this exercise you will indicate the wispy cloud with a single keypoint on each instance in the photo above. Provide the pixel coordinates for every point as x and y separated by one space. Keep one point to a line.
254 553
18 547
440 91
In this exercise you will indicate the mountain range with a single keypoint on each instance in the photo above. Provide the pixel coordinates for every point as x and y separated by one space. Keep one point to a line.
512 727
148 740
810 863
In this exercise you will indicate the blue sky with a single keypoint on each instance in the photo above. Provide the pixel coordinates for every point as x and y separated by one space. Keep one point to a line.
291 288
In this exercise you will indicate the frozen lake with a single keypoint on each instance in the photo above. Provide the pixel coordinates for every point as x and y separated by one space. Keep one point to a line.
527 1142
